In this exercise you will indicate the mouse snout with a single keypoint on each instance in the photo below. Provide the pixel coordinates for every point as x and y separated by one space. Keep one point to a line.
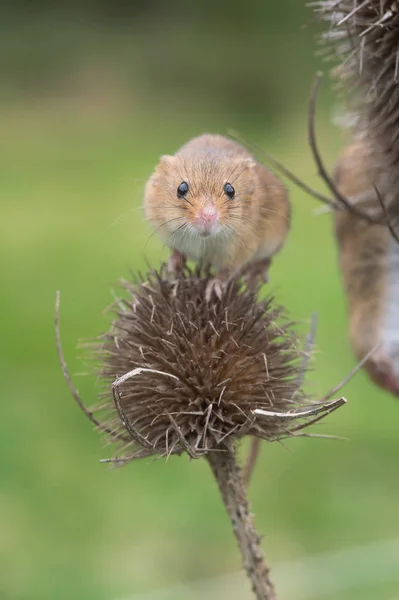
208 214
207 218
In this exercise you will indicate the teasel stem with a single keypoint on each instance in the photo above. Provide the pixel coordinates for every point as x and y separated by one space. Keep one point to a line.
227 474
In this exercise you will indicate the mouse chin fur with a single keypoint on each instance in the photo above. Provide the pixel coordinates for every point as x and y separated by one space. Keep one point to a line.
199 247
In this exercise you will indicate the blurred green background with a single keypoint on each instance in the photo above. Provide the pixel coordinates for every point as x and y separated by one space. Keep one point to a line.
92 95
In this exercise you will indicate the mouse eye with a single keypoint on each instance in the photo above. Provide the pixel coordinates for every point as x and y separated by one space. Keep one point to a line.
182 190
229 190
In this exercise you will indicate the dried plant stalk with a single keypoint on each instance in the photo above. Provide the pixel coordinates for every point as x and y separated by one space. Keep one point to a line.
228 477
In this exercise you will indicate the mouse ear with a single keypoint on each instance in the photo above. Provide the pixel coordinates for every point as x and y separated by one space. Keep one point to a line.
167 161
250 162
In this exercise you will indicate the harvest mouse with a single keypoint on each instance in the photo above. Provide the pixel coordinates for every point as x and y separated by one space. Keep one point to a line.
213 202
369 260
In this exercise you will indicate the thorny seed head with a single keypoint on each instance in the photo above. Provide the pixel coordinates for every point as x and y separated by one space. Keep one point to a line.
363 39
182 374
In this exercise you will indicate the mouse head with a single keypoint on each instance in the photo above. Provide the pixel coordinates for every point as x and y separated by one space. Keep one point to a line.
204 193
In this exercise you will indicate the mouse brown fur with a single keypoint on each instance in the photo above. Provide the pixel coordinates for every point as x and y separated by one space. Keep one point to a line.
234 212
369 261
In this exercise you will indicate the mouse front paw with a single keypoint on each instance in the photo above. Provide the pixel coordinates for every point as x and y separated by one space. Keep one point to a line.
214 289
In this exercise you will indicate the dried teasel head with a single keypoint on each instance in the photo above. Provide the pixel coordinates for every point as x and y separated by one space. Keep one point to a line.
363 40
181 374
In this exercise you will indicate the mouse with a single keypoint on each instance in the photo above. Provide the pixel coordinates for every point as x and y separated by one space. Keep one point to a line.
369 261
214 203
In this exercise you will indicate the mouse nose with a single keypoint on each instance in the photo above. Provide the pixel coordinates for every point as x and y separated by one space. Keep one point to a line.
208 214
